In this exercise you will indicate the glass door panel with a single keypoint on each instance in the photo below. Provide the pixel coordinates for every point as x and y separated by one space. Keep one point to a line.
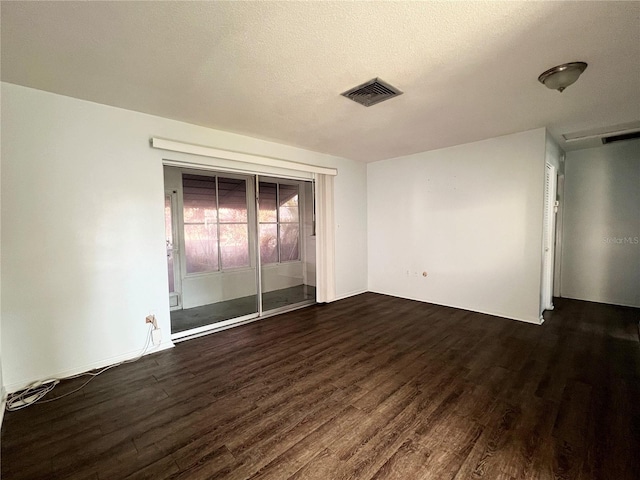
285 226
217 232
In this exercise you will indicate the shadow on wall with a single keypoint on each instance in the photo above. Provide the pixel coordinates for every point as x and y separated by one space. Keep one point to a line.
601 234
619 266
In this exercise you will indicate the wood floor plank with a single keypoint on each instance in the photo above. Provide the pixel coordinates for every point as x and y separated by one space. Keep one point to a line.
403 463
489 454
370 387
412 460
303 451
203 463
321 467
532 430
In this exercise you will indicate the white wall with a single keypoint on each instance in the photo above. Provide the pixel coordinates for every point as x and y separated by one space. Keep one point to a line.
470 216
2 389
83 254
601 232
350 189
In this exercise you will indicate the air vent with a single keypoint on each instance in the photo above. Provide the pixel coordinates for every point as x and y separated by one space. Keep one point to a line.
372 92
620 138
602 132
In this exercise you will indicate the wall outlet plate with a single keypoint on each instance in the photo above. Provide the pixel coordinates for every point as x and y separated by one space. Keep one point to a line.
156 336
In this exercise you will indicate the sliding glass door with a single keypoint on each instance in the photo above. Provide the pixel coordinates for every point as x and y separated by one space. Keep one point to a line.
215 233
242 247
287 248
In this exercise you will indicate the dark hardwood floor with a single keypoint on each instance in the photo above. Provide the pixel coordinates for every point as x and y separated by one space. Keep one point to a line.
371 387
189 318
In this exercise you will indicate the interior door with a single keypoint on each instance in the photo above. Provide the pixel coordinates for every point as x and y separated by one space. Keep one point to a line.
549 228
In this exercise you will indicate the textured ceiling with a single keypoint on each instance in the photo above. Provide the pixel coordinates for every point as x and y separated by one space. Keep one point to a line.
275 70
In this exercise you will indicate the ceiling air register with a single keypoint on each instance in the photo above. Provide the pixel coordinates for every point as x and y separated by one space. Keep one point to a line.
372 92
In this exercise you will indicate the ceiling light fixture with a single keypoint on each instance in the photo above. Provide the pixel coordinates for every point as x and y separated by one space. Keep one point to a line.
561 76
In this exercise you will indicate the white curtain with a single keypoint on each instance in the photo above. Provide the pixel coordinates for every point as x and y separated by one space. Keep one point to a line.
325 239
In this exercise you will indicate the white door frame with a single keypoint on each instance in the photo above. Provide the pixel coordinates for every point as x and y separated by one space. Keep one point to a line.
549 236
176 251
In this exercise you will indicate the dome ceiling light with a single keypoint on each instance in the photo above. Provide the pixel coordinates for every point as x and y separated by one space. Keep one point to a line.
561 76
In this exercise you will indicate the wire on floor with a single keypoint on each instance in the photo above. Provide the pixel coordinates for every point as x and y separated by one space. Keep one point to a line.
35 392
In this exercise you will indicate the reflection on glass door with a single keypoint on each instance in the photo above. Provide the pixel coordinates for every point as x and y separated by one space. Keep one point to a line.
287 244
215 229
219 231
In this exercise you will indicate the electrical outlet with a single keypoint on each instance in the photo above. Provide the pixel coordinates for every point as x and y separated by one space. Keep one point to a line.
152 320
156 336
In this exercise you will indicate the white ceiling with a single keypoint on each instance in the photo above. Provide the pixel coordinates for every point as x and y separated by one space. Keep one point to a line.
275 70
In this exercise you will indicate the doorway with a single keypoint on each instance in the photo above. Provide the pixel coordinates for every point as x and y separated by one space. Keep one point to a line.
243 247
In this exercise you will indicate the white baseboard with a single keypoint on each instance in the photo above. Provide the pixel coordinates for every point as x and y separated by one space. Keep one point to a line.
17 386
350 294
533 320
605 301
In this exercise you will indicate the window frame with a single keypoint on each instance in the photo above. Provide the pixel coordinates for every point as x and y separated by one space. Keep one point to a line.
216 176
278 222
